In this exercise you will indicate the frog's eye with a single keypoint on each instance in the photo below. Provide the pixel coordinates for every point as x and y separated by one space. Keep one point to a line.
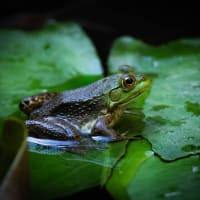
128 82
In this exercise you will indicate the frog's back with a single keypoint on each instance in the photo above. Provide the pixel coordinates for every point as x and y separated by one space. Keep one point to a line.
88 99
96 89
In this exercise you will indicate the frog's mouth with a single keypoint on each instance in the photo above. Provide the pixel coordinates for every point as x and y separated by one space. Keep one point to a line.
131 99
139 90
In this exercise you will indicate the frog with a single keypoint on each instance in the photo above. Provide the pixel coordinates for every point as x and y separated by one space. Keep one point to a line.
90 111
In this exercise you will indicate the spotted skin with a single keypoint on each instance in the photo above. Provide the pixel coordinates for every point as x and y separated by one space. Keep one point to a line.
28 104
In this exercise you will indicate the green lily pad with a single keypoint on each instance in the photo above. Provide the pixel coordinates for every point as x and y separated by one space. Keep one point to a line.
125 170
172 120
141 175
174 180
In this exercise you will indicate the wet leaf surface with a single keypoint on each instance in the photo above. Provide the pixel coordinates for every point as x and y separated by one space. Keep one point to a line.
125 170
173 180
141 175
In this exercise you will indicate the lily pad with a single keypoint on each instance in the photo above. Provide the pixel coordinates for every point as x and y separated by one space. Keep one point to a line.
125 170
172 120
142 175
174 180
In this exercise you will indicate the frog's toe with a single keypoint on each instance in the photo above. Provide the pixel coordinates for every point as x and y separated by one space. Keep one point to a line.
124 134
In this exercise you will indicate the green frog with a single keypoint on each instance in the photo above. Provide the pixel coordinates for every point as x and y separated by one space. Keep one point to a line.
90 111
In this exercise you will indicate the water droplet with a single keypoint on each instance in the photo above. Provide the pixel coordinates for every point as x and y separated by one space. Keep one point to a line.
149 153
196 84
155 64
44 90
172 194
191 138
195 169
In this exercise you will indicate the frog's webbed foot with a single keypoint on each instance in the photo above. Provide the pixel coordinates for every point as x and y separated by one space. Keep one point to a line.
53 128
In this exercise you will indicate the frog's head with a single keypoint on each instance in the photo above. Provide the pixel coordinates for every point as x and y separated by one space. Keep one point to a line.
130 86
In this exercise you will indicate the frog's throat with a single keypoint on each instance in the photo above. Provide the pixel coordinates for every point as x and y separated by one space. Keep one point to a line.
130 99
122 105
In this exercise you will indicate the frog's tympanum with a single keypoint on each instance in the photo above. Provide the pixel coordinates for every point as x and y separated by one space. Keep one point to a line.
89 111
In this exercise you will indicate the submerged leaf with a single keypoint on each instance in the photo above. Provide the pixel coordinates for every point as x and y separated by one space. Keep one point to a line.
59 173
172 120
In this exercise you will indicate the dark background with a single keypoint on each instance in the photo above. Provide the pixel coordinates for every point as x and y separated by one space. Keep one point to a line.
154 23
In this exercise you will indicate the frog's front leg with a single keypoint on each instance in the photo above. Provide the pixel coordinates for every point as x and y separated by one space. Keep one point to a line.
102 130
56 127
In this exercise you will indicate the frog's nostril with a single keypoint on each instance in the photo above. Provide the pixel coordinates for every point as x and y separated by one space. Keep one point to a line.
140 78
24 104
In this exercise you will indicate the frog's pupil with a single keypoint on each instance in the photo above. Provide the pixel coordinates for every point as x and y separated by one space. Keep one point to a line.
129 80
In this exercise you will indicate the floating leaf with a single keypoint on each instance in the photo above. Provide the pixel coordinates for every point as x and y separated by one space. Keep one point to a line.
173 180
125 170
141 175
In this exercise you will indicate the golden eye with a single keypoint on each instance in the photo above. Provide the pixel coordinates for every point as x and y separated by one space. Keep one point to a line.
128 82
